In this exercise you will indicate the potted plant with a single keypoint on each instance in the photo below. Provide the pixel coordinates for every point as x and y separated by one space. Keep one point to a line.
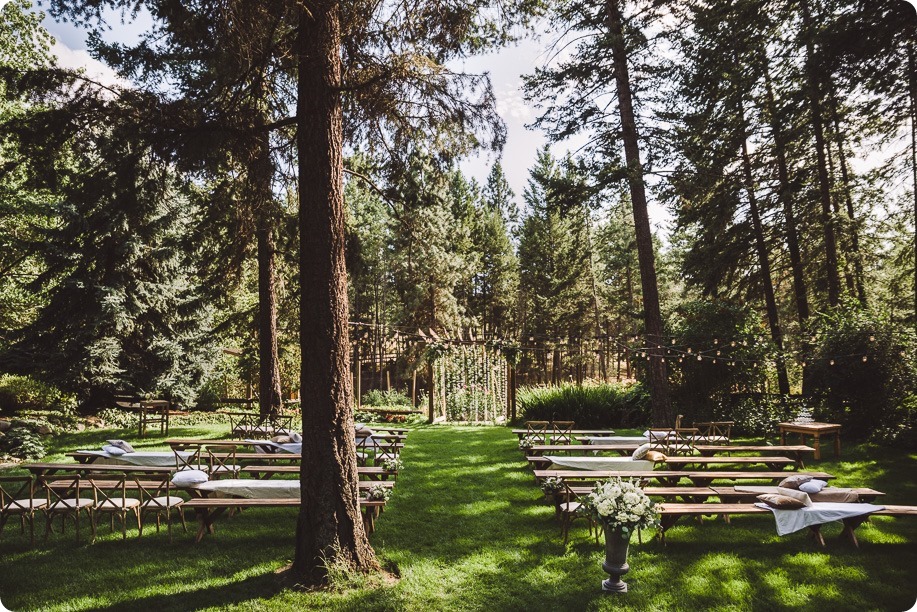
620 506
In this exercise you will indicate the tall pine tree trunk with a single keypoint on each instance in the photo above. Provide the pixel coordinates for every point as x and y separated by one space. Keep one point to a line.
855 253
824 183
785 194
783 381
270 397
330 527
658 375
912 82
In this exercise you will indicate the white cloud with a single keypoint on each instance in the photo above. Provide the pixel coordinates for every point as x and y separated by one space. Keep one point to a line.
94 69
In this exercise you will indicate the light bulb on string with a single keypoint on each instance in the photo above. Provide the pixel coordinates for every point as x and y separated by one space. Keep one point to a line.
872 338
718 353
689 350
716 341
699 358
680 360
864 359
733 343
831 362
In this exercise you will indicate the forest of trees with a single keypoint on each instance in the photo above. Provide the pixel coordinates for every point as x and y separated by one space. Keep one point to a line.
255 152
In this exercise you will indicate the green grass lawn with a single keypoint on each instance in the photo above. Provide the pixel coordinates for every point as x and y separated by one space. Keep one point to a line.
467 529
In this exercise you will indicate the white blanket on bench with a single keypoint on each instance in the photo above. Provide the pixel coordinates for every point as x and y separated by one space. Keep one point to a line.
269 446
790 521
146 458
601 463
251 488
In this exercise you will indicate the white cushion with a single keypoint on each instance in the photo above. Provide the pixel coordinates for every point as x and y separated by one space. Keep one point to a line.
23 505
127 448
813 486
188 478
641 451
163 502
570 506
803 497
70 504
114 451
295 437
118 503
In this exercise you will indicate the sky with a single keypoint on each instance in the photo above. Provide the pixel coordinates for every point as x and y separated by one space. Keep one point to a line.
506 68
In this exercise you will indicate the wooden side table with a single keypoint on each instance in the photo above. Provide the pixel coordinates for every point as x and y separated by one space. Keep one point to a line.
816 430
154 412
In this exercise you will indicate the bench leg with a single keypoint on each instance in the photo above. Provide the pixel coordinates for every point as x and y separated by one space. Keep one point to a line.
815 534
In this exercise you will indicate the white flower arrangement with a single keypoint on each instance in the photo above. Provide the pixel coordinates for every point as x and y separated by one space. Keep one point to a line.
526 442
392 464
552 485
620 504
378 493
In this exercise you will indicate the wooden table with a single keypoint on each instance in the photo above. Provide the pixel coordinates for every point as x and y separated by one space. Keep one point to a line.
816 430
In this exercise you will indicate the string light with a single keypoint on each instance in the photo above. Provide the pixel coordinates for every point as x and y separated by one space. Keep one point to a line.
864 358
872 338
699 358
831 362
716 341
689 350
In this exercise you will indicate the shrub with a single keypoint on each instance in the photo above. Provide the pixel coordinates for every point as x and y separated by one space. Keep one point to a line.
386 399
869 398
118 418
22 443
757 414
603 405
22 393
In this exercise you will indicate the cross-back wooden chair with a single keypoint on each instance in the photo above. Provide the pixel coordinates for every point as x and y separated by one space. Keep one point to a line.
562 432
569 511
65 497
658 438
538 431
715 432
682 441
222 462
110 497
158 497
17 498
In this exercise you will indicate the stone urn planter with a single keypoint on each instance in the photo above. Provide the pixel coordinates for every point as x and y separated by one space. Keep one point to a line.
616 546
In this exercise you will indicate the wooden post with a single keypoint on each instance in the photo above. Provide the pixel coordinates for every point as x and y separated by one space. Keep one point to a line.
430 393
388 379
414 390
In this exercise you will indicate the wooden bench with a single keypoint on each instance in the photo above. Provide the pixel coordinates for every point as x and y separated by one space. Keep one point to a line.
671 477
621 449
521 433
677 463
725 494
208 509
795 451
671 512
376 473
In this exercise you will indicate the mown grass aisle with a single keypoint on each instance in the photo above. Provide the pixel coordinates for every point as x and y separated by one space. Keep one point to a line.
466 530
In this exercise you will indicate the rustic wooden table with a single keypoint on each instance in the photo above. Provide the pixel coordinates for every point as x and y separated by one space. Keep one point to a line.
816 430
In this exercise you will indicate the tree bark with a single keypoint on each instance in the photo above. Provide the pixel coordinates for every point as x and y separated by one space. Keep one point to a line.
330 527
824 184
261 173
783 381
848 201
270 397
785 194
912 82
656 368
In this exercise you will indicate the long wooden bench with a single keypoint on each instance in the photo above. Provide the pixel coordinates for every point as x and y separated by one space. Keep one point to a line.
580 449
795 451
725 494
671 477
677 463
371 472
521 433
671 512
208 509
